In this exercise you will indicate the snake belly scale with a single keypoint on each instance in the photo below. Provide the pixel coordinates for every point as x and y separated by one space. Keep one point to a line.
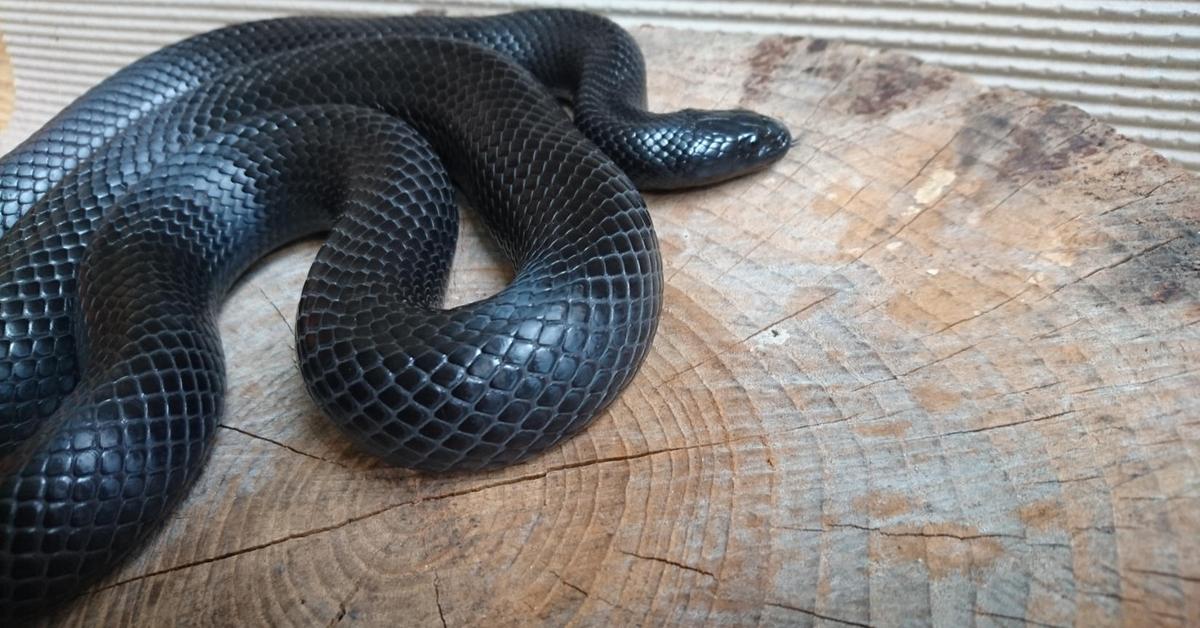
128 216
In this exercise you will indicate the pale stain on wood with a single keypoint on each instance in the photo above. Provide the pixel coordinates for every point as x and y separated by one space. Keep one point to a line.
939 364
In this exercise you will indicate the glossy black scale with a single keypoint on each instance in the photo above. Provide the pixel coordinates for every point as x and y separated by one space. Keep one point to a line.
128 216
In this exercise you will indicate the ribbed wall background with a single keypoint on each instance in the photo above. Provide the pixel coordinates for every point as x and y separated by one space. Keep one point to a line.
1133 64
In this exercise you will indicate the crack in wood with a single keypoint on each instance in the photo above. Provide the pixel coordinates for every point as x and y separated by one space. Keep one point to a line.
339 616
280 444
667 561
1084 478
1111 266
985 312
1165 574
928 535
775 526
812 613
568 583
890 378
937 361
590 595
987 428
1024 390
291 330
437 598
1143 197
1132 384
1058 329
277 311
1000 203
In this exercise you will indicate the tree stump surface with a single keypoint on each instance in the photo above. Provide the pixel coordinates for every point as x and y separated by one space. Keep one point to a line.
940 364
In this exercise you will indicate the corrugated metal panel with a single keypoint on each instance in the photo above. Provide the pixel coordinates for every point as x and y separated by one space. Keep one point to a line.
1133 64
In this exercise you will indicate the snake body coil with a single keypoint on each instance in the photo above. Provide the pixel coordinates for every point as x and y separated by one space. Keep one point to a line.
129 215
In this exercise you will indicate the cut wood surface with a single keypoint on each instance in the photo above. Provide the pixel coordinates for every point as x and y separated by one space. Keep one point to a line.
941 364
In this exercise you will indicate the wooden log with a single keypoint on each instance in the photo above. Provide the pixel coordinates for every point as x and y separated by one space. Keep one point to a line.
939 365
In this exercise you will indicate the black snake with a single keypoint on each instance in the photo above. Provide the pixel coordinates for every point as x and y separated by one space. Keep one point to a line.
129 215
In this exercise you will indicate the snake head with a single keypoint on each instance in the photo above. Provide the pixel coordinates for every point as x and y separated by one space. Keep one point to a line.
713 146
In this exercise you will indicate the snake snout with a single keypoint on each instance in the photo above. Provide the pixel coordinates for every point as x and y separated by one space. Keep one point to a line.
723 145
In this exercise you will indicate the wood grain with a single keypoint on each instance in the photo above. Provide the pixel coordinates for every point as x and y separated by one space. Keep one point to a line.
940 365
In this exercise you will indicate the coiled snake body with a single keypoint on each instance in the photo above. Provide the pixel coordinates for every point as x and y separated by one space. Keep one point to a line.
129 215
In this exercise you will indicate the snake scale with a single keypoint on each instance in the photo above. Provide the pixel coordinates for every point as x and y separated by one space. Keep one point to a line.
128 216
